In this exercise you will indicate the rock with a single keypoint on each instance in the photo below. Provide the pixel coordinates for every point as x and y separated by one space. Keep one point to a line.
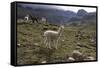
43 62
36 44
92 40
79 44
63 40
18 44
71 59
78 47
76 52
89 58
77 55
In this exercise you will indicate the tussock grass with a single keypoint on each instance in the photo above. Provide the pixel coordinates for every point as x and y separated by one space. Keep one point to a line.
30 34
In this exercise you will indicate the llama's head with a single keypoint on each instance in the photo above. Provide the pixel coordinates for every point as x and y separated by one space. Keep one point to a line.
61 29
62 26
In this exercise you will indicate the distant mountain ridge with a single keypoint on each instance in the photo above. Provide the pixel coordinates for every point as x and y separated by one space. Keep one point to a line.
54 15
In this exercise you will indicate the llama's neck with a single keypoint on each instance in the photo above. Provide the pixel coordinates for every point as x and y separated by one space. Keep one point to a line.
59 30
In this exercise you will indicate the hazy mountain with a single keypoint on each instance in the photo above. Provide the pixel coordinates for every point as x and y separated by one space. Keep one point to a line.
81 12
84 17
53 14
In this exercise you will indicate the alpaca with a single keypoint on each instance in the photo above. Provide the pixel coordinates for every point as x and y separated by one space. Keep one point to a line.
29 17
34 19
26 17
51 37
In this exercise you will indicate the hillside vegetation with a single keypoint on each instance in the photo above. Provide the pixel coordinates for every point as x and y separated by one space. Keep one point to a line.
33 51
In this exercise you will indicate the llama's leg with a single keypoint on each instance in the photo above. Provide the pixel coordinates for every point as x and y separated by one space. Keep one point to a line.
53 43
49 43
46 41
32 21
37 20
56 44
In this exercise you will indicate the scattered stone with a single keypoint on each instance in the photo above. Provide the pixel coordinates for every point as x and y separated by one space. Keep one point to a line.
89 58
18 44
78 47
71 59
63 40
77 55
43 62
36 44
79 44
92 40
76 52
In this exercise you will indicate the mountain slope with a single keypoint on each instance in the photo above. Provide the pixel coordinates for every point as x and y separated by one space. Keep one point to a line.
55 15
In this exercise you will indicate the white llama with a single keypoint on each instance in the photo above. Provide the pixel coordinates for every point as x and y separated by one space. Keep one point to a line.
26 17
51 37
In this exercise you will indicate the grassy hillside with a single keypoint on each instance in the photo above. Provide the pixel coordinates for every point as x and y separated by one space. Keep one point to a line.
33 51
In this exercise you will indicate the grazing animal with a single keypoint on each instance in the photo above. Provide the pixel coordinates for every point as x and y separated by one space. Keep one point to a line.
26 18
34 19
51 37
43 19
29 17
